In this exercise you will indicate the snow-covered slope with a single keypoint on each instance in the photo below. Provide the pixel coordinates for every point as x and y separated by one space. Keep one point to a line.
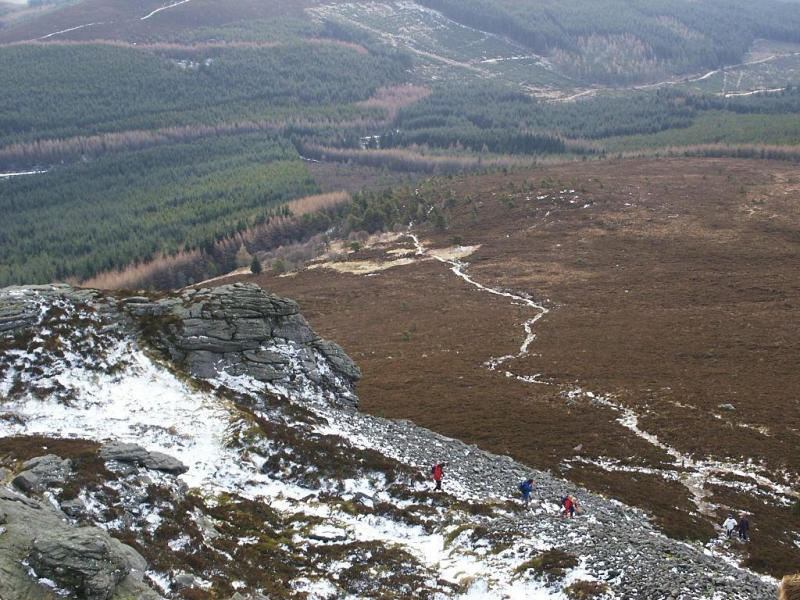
290 492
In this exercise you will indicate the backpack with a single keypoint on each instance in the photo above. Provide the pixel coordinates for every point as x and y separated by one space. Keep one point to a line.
564 500
521 486
433 468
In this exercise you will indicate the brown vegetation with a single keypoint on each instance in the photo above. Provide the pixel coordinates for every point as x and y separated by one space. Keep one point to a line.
790 588
49 151
550 564
583 590
412 160
671 285
393 98
790 153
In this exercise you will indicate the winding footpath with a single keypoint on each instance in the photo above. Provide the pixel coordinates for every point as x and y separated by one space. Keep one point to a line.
692 473
495 363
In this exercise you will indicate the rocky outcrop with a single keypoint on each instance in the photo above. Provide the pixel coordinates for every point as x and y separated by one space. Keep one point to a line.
230 331
241 330
83 560
18 310
135 454
42 472
43 556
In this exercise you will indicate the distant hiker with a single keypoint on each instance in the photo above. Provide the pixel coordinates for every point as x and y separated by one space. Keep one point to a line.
570 505
729 525
438 472
744 526
526 487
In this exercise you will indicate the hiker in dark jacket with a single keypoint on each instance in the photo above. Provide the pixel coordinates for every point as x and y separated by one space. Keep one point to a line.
744 526
526 487
438 473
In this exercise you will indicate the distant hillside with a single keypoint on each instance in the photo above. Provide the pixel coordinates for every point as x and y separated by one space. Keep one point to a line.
130 131
617 41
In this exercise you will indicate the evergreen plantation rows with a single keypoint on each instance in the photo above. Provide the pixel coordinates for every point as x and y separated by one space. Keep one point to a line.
64 90
125 208
176 143
624 41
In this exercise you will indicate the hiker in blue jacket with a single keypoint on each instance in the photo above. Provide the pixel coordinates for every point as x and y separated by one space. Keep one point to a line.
526 487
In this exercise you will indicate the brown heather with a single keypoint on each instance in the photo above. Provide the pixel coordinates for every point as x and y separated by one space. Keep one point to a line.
672 285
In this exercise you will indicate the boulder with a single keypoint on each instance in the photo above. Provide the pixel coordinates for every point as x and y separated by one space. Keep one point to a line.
85 562
184 581
159 461
74 508
42 472
135 454
124 452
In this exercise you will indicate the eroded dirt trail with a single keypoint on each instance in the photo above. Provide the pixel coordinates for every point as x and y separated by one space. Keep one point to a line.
693 474
495 363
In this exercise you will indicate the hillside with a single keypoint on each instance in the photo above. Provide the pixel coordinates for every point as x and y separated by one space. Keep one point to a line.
170 131
208 446
642 310
622 42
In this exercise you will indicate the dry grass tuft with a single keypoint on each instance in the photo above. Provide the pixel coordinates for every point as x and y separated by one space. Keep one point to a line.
585 590
551 564
790 588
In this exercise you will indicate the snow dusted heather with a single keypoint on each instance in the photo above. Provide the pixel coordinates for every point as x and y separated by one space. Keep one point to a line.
135 399
99 383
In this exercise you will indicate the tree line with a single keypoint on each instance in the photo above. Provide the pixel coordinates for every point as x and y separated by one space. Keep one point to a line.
65 90
107 213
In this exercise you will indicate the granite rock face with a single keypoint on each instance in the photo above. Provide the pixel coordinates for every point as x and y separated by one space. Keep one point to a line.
83 560
236 330
241 330
38 543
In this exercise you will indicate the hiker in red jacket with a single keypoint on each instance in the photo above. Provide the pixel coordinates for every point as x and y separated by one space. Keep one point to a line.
438 473
570 505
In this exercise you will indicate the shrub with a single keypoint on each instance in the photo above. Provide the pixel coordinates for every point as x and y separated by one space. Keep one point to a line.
550 564
583 590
